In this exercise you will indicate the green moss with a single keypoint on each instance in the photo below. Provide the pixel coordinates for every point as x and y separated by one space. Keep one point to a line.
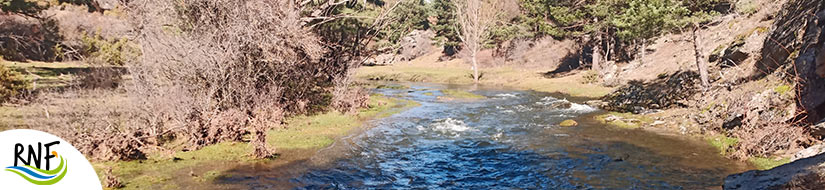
568 123
767 163
627 120
458 94
718 50
428 93
722 143
782 89
740 39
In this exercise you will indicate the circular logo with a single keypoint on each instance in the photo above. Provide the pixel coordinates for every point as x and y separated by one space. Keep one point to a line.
32 159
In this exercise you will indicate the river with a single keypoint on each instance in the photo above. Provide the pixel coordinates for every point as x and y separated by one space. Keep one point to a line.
510 140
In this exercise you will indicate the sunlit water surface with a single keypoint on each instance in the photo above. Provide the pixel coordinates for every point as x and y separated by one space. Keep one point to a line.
510 140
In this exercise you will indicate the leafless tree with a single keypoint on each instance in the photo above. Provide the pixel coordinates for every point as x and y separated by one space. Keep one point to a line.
474 20
701 62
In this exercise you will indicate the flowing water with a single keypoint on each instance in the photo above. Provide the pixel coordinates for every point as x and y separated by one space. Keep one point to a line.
509 140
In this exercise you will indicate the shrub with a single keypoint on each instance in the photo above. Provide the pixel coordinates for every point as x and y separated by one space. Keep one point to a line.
12 84
108 52
101 77
231 69
590 77
100 123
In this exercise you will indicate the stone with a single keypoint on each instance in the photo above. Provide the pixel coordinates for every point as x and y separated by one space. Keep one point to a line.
733 121
568 123
558 105
808 152
416 44
596 104
781 177
612 118
733 57
819 128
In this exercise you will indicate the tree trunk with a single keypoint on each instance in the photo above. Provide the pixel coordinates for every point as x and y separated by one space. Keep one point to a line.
596 58
700 59
475 68
642 52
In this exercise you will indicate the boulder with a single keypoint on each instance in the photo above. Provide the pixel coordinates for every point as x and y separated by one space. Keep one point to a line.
733 57
666 92
416 44
808 152
810 68
806 173
596 103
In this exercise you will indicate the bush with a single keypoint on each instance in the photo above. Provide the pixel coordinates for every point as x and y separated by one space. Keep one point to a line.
102 124
12 84
590 77
108 52
231 69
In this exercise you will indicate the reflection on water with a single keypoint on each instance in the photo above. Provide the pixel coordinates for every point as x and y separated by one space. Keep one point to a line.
507 141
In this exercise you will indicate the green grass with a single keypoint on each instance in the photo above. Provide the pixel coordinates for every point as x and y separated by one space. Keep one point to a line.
47 75
503 76
627 121
767 163
301 133
161 171
722 143
460 95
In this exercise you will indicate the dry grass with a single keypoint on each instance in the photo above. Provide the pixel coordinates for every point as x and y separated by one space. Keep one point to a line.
428 69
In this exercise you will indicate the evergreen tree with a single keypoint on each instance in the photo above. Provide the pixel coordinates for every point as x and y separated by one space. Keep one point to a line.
445 28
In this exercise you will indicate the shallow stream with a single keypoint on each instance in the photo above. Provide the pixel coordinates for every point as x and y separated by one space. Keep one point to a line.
510 140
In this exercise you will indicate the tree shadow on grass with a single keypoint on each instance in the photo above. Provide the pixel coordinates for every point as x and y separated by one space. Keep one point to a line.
569 64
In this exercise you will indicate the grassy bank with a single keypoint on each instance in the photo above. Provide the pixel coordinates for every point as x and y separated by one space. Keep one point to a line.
428 69
302 136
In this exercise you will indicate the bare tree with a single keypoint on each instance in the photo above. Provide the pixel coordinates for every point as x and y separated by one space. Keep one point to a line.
474 20
701 65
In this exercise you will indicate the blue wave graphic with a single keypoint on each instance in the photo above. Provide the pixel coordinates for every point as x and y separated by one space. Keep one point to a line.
31 173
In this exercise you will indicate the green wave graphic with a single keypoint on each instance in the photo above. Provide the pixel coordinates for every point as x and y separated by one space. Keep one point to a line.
63 165
49 172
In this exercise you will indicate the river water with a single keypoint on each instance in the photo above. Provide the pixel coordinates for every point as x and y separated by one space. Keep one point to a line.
510 140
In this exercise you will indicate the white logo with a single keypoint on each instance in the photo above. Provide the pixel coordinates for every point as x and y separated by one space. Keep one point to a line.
31 159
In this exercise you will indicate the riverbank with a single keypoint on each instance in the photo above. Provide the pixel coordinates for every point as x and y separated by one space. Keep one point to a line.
674 121
298 140
428 69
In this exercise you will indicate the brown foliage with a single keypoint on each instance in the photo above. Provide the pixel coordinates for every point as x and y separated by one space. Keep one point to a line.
216 70
100 123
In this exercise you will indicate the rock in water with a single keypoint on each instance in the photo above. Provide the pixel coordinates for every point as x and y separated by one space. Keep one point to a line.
568 123
801 174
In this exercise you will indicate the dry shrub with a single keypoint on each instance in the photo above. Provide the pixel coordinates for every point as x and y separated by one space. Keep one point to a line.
101 77
100 123
216 70
765 127
349 100
765 141
91 36
23 38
